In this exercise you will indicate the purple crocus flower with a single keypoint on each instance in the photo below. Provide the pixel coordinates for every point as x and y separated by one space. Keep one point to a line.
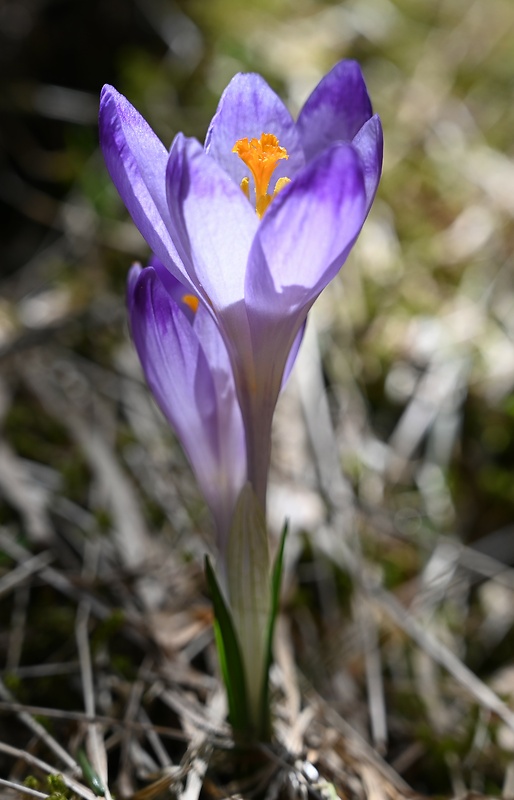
311 183
188 370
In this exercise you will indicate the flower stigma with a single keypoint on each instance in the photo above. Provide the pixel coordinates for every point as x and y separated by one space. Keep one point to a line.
261 157
191 301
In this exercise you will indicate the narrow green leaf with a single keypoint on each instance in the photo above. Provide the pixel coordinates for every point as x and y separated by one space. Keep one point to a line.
276 583
229 654
249 581
90 775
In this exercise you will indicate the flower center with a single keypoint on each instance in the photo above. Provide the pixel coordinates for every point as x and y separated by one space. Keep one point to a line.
261 157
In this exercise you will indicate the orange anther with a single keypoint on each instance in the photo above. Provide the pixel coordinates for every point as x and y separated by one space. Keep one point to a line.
261 157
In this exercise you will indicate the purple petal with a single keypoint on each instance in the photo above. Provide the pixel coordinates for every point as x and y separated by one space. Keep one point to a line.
249 108
174 364
132 279
369 143
136 160
336 110
306 234
291 358
231 436
185 388
213 224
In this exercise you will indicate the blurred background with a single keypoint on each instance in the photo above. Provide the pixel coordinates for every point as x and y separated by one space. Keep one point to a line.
397 431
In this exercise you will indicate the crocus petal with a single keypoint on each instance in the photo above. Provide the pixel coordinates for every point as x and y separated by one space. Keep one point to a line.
306 234
231 436
249 108
336 110
136 160
172 359
213 226
369 143
182 382
291 358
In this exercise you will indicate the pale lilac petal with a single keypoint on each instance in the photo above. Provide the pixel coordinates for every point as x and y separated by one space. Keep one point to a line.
291 358
306 234
212 223
258 396
336 110
369 143
136 160
231 439
249 108
186 389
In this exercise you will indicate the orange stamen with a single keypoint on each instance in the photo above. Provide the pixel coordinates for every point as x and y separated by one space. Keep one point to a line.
191 301
261 157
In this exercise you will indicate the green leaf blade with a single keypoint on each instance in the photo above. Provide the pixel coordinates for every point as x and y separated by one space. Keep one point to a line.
276 585
229 653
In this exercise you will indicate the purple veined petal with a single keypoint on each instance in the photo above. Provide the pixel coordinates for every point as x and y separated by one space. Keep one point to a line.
249 108
136 160
369 143
213 224
181 379
306 234
336 110
172 360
